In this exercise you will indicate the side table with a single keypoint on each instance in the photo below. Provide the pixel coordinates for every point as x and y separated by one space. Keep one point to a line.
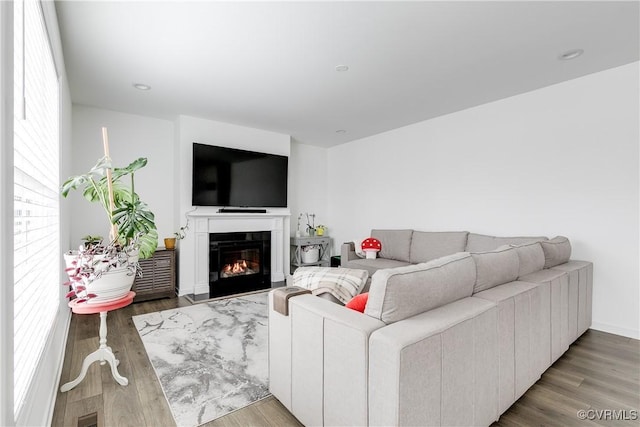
297 245
103 353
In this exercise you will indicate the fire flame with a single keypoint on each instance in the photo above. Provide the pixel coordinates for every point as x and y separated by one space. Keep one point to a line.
238 267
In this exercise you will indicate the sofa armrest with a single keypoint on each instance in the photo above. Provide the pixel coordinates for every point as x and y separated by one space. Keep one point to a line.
318 361
347 253
436 368
336 313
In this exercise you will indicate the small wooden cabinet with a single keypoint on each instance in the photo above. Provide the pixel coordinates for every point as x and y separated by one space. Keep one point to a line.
298 244
158 276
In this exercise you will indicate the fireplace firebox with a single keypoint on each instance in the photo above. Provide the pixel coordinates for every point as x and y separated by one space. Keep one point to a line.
239 262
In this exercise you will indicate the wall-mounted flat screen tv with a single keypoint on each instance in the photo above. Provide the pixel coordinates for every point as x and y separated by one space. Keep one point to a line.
238 178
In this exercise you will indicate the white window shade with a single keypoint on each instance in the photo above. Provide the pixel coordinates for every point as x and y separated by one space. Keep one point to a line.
36 194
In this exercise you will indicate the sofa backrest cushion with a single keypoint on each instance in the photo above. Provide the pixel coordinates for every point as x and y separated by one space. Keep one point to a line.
530 255
395 243
495 268
483 243
427 245
556 251
398 293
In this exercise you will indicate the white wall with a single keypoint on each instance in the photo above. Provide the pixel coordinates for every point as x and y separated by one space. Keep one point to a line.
559 160
130 136
193 129
308 184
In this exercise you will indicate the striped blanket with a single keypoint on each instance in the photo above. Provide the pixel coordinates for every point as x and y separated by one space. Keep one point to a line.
342 283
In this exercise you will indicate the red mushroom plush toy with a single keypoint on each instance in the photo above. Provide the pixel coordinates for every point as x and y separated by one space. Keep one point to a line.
371 247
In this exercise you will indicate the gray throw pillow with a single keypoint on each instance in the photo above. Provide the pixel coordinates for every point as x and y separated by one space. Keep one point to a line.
395 243
556 251
495 268
428 245
398 293
484 243
531 257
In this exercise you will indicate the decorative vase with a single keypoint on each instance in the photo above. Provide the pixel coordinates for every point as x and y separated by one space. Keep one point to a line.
170 243
112 284
311 231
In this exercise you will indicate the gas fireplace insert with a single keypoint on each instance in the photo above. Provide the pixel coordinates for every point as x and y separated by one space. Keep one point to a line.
239 262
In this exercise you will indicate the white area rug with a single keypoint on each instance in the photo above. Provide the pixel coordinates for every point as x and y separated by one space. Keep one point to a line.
210 358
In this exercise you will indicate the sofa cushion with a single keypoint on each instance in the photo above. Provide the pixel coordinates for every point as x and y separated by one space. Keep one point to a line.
531 257
395 243
402 292
556 251
426 245
483 243
373 265
495 268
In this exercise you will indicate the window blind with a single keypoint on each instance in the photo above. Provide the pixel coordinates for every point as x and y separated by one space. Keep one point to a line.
36 182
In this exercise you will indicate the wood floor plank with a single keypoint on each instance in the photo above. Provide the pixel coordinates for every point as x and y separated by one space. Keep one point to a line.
87 325
122 406
591 359
532 415
248 416
155 408
276 413
621 396
598 337
81 408
91 385
598 372
552 398
598 398
595 371
611 350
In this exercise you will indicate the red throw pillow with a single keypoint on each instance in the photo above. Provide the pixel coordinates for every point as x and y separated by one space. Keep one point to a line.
359 302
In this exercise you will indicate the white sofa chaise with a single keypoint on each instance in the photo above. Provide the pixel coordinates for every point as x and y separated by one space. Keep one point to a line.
455 340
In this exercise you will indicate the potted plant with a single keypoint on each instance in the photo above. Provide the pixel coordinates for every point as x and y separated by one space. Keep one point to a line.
311 229
170 242
90 240
133 232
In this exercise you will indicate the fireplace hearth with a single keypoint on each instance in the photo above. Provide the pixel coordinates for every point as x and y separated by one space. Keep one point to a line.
239 262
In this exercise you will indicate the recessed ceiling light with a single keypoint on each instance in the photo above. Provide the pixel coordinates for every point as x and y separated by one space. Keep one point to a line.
570 54
341 68
141 86
341 131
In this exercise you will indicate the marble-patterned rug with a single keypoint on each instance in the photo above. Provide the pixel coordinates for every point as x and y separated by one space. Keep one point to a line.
210 358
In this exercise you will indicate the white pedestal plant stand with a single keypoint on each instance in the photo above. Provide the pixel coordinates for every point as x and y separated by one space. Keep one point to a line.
103 354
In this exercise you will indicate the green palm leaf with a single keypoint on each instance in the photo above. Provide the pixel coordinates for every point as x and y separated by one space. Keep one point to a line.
136 223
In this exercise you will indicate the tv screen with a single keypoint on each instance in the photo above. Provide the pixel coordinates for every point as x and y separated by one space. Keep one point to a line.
238 178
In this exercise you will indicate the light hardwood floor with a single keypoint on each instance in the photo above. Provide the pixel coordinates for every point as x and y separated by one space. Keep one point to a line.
600 371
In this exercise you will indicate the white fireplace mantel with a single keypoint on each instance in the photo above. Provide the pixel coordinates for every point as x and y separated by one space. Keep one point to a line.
195 249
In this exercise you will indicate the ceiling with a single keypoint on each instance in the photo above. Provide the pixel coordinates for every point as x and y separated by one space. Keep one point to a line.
272 65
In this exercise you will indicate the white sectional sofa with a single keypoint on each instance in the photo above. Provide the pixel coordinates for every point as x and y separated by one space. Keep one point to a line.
446 338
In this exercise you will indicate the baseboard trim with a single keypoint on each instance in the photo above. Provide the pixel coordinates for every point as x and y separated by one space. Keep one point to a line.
617 330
